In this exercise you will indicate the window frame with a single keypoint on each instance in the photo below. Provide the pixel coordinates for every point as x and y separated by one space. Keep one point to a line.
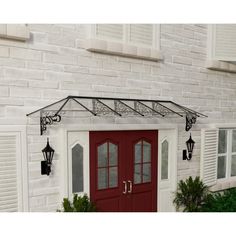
228 154
124 47
126 35
213 62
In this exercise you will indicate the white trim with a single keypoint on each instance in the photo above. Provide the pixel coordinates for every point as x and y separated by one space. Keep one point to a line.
106 127
112 127
82 138
172 137
22 163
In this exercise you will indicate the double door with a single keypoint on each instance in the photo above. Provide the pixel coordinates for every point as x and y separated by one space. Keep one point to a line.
123 170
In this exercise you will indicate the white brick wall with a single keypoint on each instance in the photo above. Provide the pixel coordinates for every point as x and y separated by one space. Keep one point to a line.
53 65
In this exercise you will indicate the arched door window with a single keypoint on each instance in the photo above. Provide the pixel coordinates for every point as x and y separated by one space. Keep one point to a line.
142 162
77 169
107 166
164 159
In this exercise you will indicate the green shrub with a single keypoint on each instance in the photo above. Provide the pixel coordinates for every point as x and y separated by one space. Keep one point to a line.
221 202
190 194
79 204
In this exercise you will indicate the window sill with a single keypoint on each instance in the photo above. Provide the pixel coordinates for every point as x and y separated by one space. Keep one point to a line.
223 184
126 50
221 66
15 32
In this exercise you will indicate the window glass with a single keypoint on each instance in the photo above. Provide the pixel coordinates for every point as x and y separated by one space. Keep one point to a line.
146 172
221 169
146 152
164 160
234 141
137 174
102 155
77 169
233 165
113 177
142 162
112 154
107 169
222 144
138 150
102 178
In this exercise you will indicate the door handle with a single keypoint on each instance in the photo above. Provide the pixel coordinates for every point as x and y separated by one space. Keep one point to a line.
125 190
130 186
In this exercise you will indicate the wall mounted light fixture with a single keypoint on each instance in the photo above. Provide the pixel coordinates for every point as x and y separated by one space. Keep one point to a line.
190 145
48 153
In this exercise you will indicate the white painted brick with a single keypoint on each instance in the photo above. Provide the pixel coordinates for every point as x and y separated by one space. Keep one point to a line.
61 40
9 62
26 54
39 84
49 93
4 91
4 51
89 62
44 66
60 59
59 76
76 69
182 60
25 92
23 73
14 82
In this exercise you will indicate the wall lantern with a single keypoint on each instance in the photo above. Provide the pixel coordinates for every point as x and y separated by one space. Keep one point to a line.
48 153
190 144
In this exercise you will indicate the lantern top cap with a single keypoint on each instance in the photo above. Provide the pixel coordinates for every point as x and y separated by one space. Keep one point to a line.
190 139
48 148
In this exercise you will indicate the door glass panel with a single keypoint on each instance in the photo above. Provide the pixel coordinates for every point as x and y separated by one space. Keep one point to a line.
234 141
222 145
164 160
137 174
138 150
102 178
113 177
77 169
146 173
233 165
112 154
102 155
146 152
221 169
142 162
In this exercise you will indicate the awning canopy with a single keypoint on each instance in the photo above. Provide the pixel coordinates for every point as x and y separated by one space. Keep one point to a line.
122 107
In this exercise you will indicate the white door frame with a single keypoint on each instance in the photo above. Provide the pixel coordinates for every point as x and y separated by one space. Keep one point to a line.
106 127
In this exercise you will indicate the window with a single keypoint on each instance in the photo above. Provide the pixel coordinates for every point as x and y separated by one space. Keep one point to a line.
107 163
164 159
222 47
226 161
136 40
77 169
142 162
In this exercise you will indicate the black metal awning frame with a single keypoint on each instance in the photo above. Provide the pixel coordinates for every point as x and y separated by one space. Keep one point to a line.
121 108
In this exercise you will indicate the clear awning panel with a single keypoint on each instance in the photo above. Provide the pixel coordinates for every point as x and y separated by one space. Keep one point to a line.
78 106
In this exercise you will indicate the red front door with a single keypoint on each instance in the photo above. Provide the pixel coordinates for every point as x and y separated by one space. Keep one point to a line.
123 170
